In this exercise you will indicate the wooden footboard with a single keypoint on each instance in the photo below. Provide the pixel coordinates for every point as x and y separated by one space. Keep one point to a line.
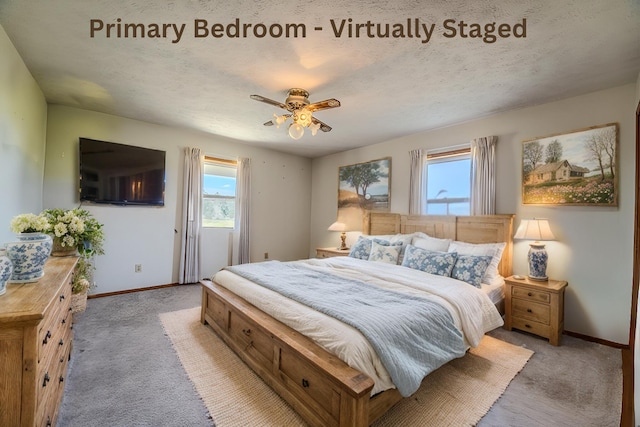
323 389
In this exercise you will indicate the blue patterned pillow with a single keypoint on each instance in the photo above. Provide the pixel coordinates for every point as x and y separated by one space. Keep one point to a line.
385 253
362 248
470 268
433 262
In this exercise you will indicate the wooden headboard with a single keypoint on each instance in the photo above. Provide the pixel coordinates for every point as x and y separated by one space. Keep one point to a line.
471 229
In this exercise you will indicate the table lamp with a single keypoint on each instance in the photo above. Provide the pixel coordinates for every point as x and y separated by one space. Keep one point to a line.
342 227
536 229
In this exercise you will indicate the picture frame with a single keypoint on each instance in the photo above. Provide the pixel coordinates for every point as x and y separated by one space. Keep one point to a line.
576 168
364 187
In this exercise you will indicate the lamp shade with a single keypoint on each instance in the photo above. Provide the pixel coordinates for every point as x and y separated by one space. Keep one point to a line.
337 226
534 229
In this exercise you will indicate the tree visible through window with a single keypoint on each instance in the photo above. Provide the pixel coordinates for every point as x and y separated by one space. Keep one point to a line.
219 193
448 179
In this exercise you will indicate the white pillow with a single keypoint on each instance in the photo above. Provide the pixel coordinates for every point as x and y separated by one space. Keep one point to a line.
382 253
493 249
431 243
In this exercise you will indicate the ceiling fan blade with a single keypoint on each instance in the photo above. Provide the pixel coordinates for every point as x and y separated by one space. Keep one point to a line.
268 101
323 105
269 123
323 126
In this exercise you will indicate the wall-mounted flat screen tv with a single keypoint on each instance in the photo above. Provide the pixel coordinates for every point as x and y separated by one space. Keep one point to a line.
121 174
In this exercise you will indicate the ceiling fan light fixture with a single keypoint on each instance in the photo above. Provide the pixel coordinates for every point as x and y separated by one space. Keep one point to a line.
314 128
278 120
300 111
303 117
296 130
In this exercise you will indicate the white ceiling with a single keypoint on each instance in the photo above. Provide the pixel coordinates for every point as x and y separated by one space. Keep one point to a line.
388 87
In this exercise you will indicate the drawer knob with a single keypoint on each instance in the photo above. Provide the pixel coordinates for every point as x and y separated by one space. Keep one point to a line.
527 325
61 342
61 379
305 383
64 321
529 310
61 297
46 337
46 379
529 294
246 331
48 421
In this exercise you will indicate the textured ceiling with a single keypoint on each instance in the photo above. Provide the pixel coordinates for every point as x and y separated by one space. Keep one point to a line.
388 87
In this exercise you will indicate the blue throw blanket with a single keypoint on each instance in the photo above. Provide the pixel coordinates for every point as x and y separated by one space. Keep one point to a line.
413 336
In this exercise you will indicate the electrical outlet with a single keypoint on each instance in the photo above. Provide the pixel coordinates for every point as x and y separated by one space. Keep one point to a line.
138 268
266 255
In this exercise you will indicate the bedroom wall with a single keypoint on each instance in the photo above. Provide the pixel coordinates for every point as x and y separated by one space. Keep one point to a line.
593 251
23 121
280 195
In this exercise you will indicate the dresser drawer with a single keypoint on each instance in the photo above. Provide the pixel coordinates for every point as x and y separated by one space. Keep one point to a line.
531 311
531 294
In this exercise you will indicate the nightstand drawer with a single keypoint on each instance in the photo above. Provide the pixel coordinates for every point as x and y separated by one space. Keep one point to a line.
531 326
531 311
531 295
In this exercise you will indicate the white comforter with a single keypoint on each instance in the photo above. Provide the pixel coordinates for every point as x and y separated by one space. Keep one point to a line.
472 310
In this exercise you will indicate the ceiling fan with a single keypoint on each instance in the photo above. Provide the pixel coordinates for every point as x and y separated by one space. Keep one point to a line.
300 111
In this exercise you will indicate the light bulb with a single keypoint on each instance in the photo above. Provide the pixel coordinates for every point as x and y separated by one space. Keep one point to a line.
303 116
296 130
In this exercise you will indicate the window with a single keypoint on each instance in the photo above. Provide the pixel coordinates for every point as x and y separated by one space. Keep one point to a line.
448 179
219 193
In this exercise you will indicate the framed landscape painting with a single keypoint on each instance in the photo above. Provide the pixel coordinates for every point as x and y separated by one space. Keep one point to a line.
578 168
364 187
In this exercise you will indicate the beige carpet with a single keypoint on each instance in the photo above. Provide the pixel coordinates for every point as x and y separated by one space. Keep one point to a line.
458 394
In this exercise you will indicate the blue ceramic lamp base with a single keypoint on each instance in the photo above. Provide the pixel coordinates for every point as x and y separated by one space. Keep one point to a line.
538 258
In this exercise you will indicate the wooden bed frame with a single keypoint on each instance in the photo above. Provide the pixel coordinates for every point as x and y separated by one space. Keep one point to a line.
323 389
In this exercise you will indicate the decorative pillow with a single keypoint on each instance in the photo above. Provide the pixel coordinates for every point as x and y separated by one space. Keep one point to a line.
494 250
471 268
431 243
384 253
433 262
362 248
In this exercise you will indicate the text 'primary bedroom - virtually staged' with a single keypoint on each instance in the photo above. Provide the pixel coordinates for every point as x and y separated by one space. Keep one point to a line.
335 213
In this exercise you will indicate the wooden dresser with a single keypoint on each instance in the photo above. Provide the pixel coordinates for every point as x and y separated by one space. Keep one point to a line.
536 307
35 345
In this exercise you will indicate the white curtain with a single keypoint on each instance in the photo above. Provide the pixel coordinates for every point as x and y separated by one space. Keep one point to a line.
191 216
483 176
416 182
243 205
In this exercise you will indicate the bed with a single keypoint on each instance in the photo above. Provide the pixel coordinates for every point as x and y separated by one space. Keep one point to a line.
323 388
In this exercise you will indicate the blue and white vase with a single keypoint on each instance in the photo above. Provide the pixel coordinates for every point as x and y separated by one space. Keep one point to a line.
28 255
538 258
6 268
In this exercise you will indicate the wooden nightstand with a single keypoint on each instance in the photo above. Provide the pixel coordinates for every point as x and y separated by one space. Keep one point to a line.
330 252
536 307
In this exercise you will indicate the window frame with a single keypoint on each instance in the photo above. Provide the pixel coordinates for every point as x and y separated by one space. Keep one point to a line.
221 162
457 153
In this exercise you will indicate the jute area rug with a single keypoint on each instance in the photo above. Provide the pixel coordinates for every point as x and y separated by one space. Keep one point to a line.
458 394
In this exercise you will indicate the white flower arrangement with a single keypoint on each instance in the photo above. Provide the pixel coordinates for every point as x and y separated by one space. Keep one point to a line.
69 228
30 223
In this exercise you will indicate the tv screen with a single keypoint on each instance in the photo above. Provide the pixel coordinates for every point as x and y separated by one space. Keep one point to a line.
121 174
